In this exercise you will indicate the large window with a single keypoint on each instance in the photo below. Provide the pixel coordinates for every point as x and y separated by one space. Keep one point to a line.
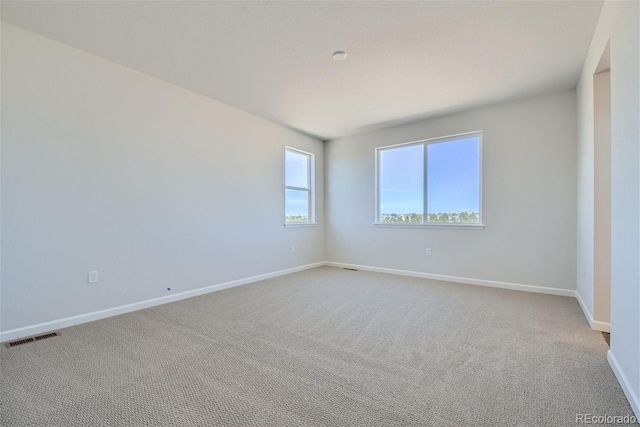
299 200
431 182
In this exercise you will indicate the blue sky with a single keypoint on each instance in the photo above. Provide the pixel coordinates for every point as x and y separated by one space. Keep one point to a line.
453 178
297 203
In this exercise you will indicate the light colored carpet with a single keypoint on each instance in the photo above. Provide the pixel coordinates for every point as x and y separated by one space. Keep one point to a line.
324 347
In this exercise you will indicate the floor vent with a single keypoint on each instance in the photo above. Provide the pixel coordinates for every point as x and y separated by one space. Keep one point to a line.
351 269
45 336
31 339
19 342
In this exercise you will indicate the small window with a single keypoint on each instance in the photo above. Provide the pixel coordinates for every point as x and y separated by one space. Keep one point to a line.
431 182
299 198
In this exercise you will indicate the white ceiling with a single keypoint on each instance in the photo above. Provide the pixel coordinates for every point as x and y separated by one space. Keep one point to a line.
406 60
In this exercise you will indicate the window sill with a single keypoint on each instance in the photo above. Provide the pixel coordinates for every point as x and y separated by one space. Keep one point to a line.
300 224
458 226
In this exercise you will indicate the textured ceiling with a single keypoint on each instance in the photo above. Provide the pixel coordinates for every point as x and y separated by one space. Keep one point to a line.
406 60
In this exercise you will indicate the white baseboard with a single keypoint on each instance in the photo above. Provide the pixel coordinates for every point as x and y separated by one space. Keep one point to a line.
595 324
18 333
585 310
466 280
632 397
601 326
39 328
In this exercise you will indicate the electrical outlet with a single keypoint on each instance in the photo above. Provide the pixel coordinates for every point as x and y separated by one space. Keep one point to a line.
93 276
293 248
428 252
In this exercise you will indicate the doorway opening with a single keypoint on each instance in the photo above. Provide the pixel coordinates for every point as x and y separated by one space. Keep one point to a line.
602 193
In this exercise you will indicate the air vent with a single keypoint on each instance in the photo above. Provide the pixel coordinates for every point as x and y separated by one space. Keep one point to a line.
31 339
45 336
19 342
351 269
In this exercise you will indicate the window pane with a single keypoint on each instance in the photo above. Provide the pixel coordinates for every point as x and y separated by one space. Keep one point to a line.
402 184
296 169
297 206
453 181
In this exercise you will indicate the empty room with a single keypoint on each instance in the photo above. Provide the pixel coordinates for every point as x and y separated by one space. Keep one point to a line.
320 213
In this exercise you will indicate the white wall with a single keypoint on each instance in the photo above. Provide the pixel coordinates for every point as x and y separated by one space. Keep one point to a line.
105 168
529 198
619 25
602 202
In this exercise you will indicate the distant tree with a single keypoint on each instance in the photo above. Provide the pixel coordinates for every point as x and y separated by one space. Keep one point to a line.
415 218
297 218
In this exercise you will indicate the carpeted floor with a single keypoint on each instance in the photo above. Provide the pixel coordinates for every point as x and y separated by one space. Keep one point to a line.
324 347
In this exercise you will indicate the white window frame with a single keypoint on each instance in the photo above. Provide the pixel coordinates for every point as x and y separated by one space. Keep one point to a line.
425 143
310 189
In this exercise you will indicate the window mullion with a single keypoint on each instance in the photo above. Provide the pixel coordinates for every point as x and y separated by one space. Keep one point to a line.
309 207
378 173
425 197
